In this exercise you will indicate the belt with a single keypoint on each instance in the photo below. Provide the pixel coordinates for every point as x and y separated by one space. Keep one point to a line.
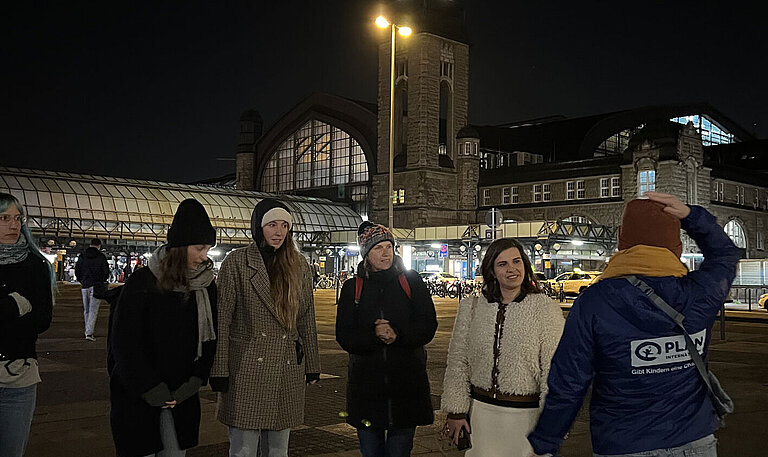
502 399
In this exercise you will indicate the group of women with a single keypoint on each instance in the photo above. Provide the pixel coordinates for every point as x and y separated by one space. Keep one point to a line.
251 334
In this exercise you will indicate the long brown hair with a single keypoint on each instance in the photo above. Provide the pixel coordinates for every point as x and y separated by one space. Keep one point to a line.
286 279
491 288
173 269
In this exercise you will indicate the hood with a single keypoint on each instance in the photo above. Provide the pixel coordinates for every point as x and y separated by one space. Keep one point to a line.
92 252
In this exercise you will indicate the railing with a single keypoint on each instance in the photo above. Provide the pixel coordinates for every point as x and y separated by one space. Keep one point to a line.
748 294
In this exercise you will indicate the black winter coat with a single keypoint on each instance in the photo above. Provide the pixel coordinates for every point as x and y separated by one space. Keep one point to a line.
387 384
91 268
31 279
154 339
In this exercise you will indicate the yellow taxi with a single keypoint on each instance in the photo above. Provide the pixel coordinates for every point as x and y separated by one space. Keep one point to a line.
576 281
763 301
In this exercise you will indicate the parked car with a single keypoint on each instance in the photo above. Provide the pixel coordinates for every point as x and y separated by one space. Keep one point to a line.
577 281
438 276
763 301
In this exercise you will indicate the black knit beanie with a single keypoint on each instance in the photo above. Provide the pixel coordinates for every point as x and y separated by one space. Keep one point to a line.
274 210
191 225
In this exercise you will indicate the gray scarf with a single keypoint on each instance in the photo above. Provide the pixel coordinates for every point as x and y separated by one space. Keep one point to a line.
199 280
14 253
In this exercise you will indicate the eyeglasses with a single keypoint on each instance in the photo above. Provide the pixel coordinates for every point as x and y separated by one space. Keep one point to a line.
6 219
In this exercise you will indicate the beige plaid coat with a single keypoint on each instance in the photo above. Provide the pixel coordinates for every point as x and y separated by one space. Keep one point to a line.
258 354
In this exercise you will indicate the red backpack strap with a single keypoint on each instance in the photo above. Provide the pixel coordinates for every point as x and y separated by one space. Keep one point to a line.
358 289
404 284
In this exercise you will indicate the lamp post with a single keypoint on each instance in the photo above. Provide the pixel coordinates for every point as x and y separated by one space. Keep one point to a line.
382 22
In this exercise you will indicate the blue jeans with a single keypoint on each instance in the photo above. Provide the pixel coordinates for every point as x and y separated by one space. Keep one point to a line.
261 443
168 436
17 405
704 447
90 310
386 443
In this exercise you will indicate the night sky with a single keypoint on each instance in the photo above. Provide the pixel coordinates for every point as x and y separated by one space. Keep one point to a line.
155 89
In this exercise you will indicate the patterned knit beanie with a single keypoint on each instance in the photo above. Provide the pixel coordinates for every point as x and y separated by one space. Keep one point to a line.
370 234
645 222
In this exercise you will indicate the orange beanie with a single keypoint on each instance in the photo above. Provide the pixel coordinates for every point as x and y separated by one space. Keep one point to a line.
645 222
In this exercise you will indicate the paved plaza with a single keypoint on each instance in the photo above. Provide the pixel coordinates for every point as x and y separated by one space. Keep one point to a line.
72 416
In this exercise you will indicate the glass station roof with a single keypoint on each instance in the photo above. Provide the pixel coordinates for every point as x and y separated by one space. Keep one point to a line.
91 204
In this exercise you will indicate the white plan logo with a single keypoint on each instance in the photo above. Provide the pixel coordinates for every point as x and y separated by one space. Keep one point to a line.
668 349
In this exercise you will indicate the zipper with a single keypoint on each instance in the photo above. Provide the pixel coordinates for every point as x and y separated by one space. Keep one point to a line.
386 378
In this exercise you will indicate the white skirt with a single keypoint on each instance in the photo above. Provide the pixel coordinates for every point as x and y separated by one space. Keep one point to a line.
499 431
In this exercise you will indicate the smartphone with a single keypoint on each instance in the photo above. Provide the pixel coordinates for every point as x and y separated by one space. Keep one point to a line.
464 441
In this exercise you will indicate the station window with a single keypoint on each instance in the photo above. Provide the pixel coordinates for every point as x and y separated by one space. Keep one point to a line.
570 190
514 195
646 182
717 191
605 188
506 195
616 186
537 192
739 195
398 197
581 191
547 192
760 243
486 197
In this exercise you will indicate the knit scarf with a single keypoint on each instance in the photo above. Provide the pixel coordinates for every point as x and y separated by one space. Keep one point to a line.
199 280
642 260
14 253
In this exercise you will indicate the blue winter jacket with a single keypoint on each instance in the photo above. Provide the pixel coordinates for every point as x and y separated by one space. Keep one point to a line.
646 392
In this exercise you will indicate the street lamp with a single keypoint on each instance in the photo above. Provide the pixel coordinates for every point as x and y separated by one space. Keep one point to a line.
382 22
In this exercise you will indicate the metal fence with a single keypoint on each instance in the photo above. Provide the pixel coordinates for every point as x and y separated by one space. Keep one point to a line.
748 294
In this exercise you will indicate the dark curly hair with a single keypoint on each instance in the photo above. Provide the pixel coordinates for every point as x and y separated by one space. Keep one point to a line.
491 289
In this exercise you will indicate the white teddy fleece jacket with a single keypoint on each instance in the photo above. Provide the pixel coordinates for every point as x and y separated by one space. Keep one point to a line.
532 330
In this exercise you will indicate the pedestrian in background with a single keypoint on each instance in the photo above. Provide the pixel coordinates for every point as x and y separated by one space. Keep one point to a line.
499 356
163 341
27 290
92 270
268 338
646 399
384 319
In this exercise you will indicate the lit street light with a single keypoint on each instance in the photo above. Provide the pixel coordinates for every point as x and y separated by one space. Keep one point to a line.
382 22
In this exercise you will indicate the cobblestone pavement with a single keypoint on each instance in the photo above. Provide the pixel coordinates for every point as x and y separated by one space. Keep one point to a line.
72 416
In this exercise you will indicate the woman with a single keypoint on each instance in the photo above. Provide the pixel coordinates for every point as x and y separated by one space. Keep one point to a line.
499 356
163 341
268 339
27 288
384 319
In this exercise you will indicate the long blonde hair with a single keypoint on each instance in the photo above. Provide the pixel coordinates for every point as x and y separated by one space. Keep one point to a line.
286 278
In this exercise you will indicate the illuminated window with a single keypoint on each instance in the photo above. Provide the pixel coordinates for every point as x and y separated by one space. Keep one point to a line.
711 133
735 232
315 155
646 182
398 197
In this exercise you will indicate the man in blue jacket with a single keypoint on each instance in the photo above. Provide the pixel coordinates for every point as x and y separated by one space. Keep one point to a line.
647 395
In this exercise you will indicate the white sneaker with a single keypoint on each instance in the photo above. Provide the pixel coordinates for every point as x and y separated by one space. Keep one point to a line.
90 338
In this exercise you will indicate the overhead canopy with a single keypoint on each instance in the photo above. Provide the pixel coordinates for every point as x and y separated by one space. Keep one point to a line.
76 205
